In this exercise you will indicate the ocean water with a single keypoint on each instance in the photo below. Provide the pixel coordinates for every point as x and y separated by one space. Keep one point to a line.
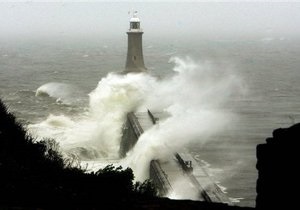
50 81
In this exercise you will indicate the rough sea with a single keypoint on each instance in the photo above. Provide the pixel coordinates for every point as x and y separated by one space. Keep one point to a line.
48 84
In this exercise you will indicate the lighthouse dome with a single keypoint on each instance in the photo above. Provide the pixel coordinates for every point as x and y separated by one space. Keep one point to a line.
134 17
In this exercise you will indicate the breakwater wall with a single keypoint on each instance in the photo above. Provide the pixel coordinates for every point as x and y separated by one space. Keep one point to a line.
181 166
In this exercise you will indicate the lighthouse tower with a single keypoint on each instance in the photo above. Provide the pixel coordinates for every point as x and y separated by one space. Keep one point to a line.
135 60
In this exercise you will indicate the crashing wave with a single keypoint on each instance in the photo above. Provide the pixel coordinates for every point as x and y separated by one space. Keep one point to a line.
63 93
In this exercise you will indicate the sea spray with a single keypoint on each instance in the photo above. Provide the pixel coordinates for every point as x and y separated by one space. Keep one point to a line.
181 189
195 98
99 130
63 93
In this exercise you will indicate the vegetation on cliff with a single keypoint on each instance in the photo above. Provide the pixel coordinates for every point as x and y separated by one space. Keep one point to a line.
34 173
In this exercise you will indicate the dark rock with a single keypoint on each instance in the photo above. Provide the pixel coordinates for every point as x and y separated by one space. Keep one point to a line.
277 165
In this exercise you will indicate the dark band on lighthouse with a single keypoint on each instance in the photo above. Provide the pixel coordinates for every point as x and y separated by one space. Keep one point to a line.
135 59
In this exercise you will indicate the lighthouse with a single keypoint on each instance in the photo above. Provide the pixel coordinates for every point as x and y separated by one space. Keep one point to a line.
135 59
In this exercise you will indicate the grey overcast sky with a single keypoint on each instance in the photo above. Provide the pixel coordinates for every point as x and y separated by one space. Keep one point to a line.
207 19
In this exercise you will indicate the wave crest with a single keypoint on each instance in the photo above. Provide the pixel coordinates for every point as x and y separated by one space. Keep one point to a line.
63 93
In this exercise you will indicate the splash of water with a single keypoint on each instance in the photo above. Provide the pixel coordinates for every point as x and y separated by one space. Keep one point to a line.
194 97
60 91
98 131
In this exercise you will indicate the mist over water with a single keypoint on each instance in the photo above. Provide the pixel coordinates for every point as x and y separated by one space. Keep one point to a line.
222 20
